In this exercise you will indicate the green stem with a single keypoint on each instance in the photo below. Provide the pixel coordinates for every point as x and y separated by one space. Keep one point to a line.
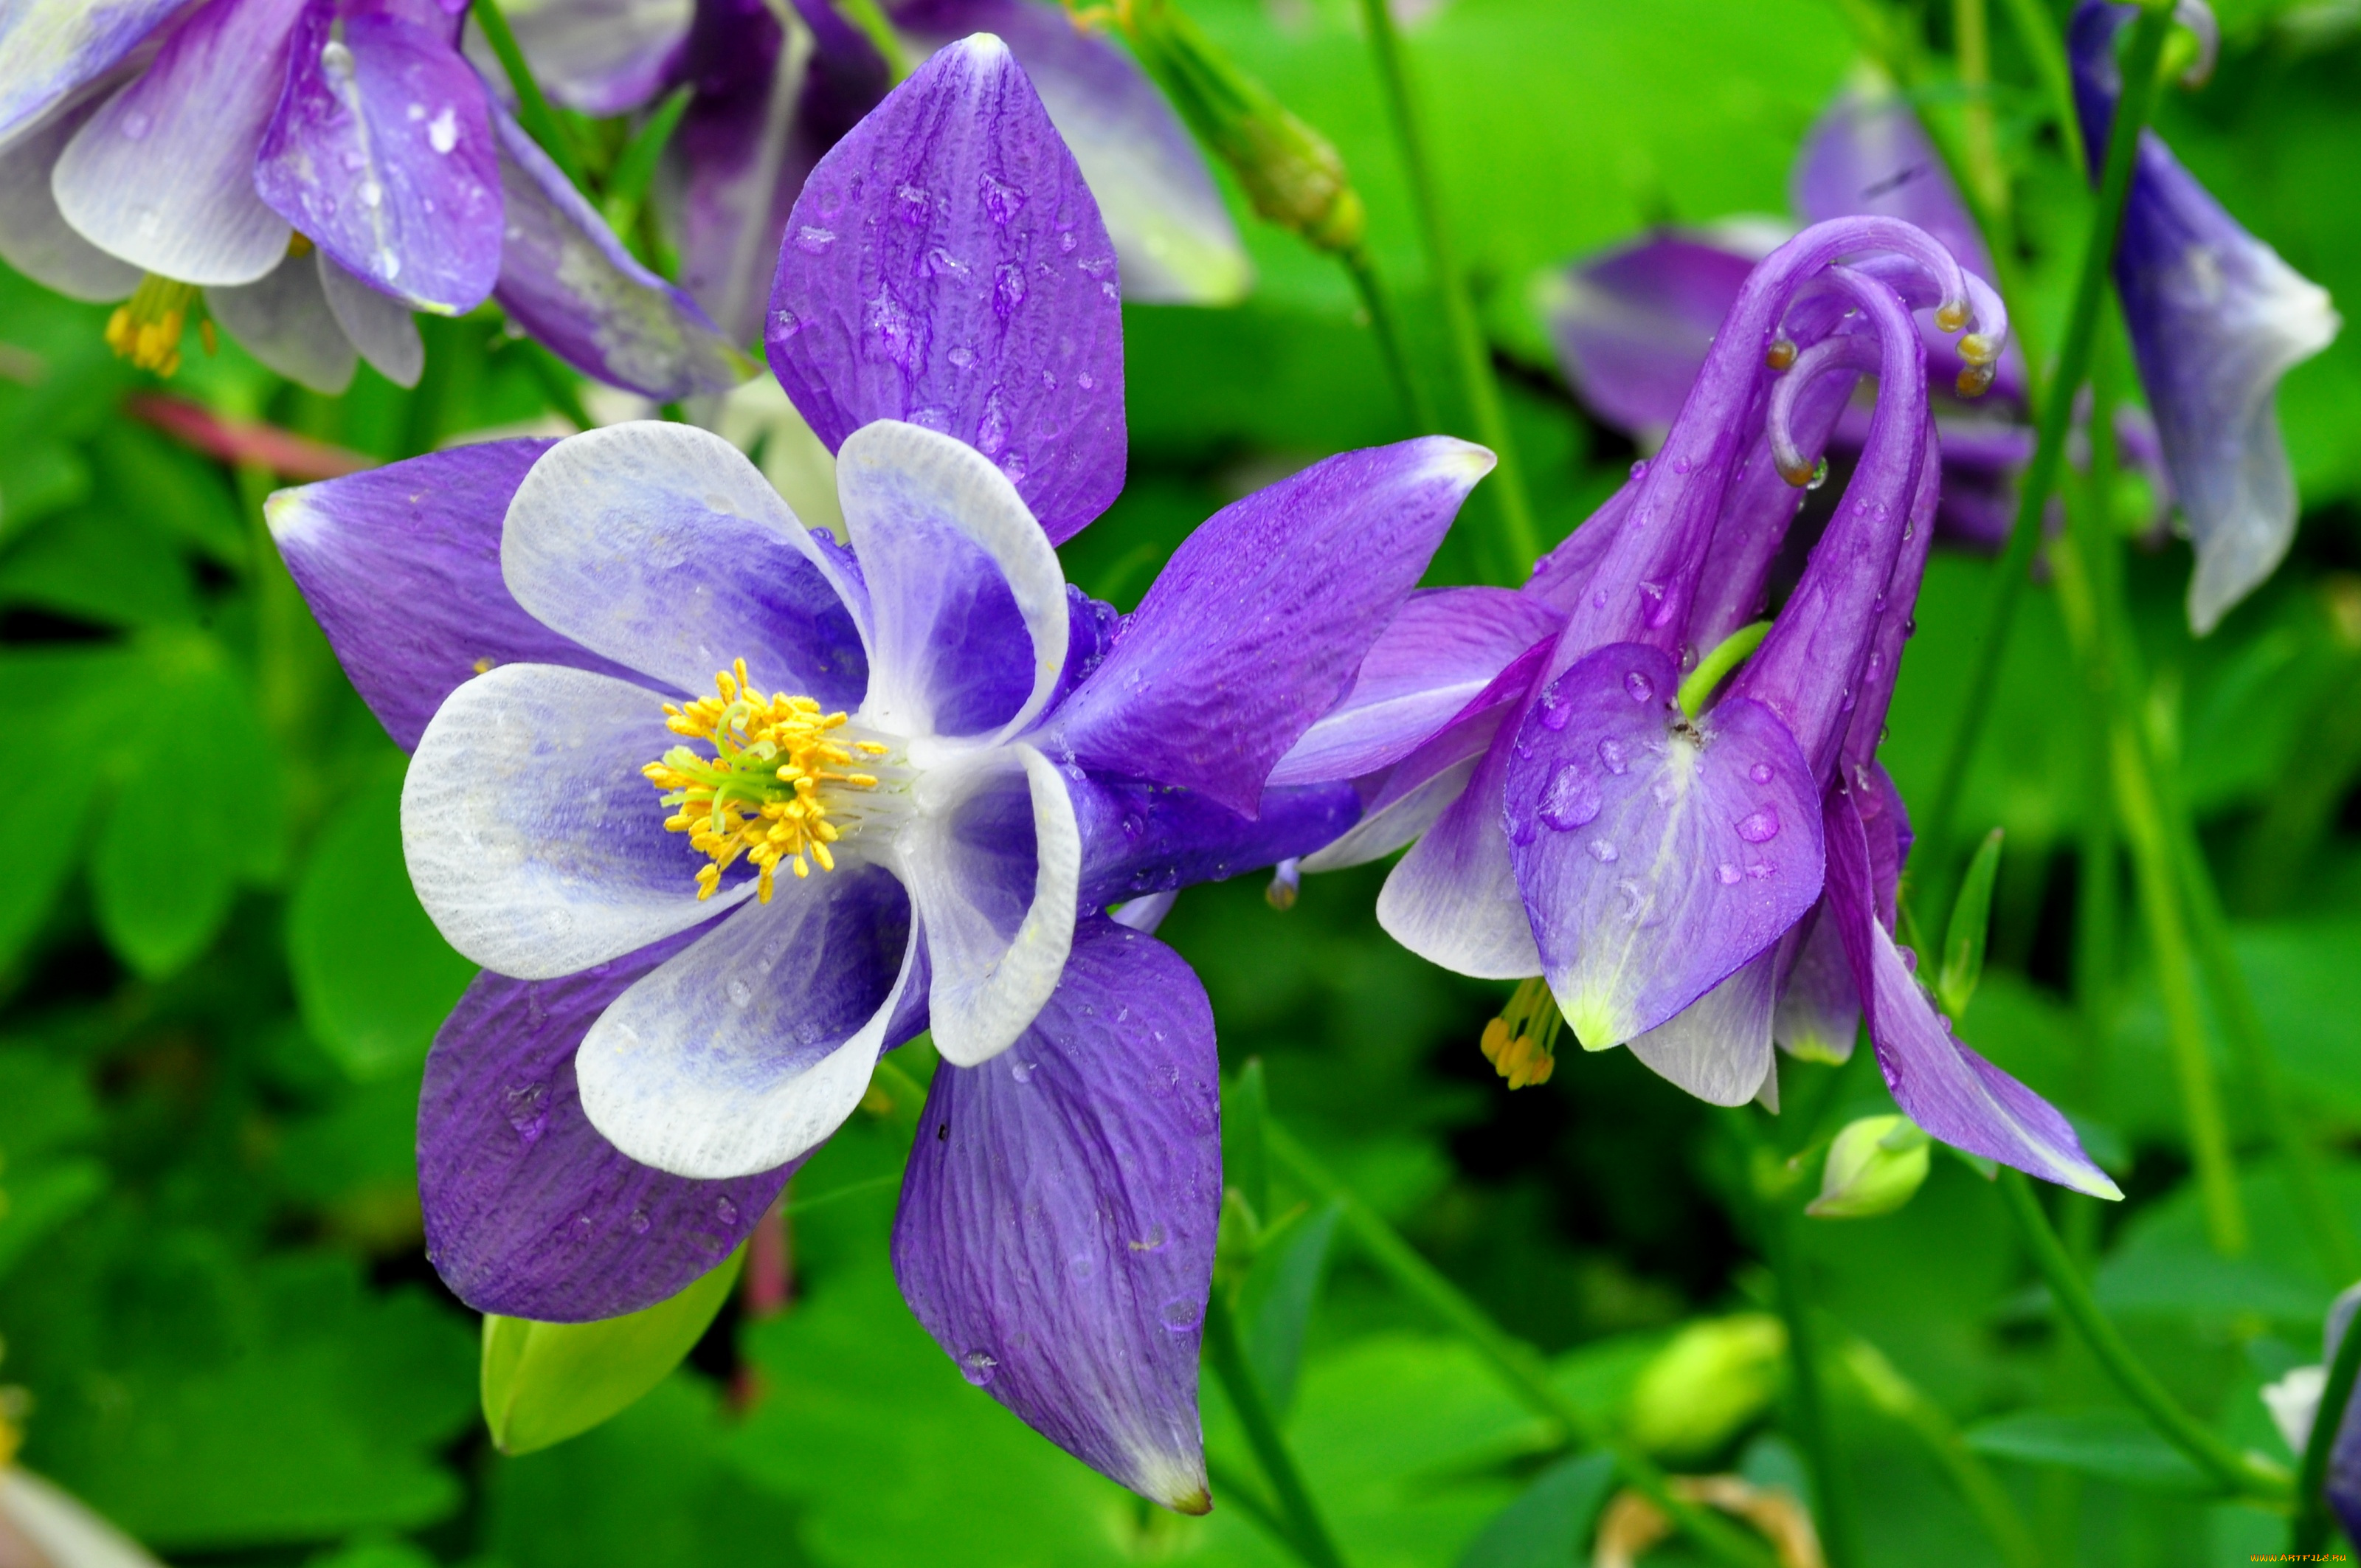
2037 34
2243 1474
1518 1366
1378 302
1905 1403
1520 534
1839 1538
540 121
2310 1534
2057 409
1973 37
1306 1531
1236 1492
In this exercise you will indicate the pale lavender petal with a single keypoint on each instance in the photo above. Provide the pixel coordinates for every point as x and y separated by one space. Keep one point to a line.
1819 1011
401 567
1171 232
567 281
946 266
34 237
1656 853
164 175
529 1212
1937 1082
1140 838
1056 1233
1443 647
1867 155
379 328
382 153
751 1046
2216 318
601 57
1718 1046
659 545
1452 899
283 319
1632 327
49 47
1255 627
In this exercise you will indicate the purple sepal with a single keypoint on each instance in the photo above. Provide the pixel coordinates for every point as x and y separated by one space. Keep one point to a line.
400 565
1655 853
1935 1079
529 1212
1256 626
1139 838
568 281
49 47
382 153
1869 155
1056 1232
1633 326
946 265
603 57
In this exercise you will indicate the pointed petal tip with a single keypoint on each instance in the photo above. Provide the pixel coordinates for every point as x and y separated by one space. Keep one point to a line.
1452 457
1197 1502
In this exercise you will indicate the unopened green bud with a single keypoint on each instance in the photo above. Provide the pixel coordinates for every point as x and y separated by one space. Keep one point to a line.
1875 1165
1711 1379
1295 178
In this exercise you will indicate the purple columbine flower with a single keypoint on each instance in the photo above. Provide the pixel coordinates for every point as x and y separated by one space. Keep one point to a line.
773 91
319 170
2216 318
1632 326
1583 812
705 906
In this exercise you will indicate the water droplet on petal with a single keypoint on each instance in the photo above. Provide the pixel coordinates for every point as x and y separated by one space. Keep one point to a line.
1603 851
1760 826
978 1365
741 994
1759 772
443 133
1639 469
1022 1071
725 1211
1612 757
1728 874
640 1222
811 241
1182 1314
1573 798
1642 688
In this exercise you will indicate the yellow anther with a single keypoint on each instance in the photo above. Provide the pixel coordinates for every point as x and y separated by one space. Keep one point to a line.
1953 316
1974 381
1978 349
1522 1043
1781 354
146 329
759 794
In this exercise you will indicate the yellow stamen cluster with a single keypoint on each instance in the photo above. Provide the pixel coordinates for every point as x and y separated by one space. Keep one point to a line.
761 794
146 329
1522 1043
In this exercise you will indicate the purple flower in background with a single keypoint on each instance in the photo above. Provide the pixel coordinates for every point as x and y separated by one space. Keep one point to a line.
1632 326
2216 318
706 906
775 89
318 170
1585 811
2294 1402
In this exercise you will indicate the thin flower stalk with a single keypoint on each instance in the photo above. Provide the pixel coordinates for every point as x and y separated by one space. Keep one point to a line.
1302 1527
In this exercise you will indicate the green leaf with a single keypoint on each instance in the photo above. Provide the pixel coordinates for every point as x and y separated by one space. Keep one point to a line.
38 1200
103 564
1971 925
1545 1528
39 477
2116 1444
544 1383
1275 1298
373 977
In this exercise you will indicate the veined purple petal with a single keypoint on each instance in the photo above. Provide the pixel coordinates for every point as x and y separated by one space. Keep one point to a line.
382 153
1140 838
994 864
34 237
567 281
1937 1081
282 319
968 614
1632 327
1718 1046
753 1046
1755 515
529 1212
163 176
532 840
1171 233
1820 1012
946 266
1441 649
49 47
1056 1233
1452 899
2216 318
379 326
660 547
401 567
1255 627
601 57
1655 853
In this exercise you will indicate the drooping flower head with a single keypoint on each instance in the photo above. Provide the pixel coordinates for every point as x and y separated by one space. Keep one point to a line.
707 902
1586 810
772 89
317 170
2216 318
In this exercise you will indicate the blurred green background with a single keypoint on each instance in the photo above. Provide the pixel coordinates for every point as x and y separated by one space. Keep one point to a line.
217 989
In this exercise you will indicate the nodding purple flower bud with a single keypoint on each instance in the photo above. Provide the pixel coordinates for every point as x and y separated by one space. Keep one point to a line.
2216 318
